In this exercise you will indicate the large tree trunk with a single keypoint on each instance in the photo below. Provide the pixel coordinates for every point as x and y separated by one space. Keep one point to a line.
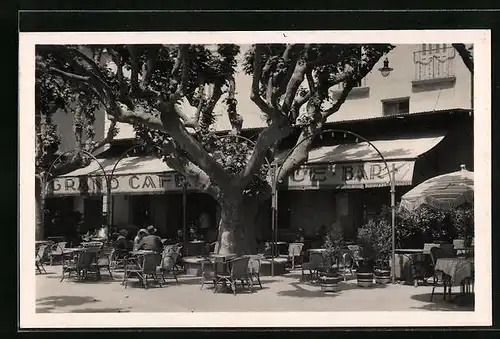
39 210
237 224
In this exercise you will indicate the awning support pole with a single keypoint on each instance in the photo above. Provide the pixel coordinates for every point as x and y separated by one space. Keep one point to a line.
393 221
184 214
274 214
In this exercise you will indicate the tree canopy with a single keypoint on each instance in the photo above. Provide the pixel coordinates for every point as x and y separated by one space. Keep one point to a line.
144 85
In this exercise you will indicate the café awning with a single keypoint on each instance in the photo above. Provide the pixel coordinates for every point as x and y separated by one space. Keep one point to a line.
132 175
358 165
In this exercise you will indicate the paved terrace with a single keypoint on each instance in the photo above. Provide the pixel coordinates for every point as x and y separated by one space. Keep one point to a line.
281 293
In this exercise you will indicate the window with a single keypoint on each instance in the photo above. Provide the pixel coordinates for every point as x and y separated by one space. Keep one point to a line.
396 106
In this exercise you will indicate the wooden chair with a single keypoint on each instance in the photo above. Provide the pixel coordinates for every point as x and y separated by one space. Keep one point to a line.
207 273
57 251
428 246
41 256
459 246
254 264
295 251
142 266
238 272
448 250
439 278
104 259
167 265
315 262
84 264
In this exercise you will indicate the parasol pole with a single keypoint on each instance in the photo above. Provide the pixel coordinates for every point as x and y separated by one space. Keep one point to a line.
393 222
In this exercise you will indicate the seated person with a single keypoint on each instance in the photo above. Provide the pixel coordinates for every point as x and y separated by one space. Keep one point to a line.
151 241
121 244
140 234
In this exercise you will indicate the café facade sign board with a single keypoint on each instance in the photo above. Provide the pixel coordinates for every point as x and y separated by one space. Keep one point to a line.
349 175
156 183
310 177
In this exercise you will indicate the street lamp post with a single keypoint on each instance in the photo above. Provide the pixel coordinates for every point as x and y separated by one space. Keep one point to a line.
389 172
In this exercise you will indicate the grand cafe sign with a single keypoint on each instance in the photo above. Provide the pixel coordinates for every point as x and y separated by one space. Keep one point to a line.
322 176
122 184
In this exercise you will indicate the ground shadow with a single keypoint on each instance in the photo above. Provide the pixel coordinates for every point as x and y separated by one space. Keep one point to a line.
44 309
64 300
460 303
43 273
105 279
101 310
301 292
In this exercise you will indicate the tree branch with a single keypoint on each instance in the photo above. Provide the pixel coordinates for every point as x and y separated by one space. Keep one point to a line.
134 73
176 129
234 118
257 74
466 56
68 75
281 88
121 113
182 60
300 153
107 139
119 72
296 79
150 65
194 174
297 104
343 96
277 130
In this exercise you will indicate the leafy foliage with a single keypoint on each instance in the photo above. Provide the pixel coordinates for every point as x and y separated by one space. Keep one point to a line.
366 240
425 224
379 234
334 239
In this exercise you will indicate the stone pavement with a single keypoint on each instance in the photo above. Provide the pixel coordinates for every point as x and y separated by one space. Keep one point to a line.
281 293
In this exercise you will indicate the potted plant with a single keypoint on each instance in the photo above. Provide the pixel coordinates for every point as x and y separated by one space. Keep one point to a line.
381 239
328 275
364 273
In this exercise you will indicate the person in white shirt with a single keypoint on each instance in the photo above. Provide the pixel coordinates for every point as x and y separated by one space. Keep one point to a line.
140 234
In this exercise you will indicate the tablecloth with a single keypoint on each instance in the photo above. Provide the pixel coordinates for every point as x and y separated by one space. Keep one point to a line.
457 268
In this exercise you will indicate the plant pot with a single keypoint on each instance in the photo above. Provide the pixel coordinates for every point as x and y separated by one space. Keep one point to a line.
364 274
365 279
329 281
382 275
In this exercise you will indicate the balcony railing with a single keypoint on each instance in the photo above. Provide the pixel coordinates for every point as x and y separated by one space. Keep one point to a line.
434 64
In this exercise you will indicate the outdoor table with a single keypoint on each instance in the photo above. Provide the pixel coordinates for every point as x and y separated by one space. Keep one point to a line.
282 246
220 263
70 250
318 250
417 258
141 252
457 268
